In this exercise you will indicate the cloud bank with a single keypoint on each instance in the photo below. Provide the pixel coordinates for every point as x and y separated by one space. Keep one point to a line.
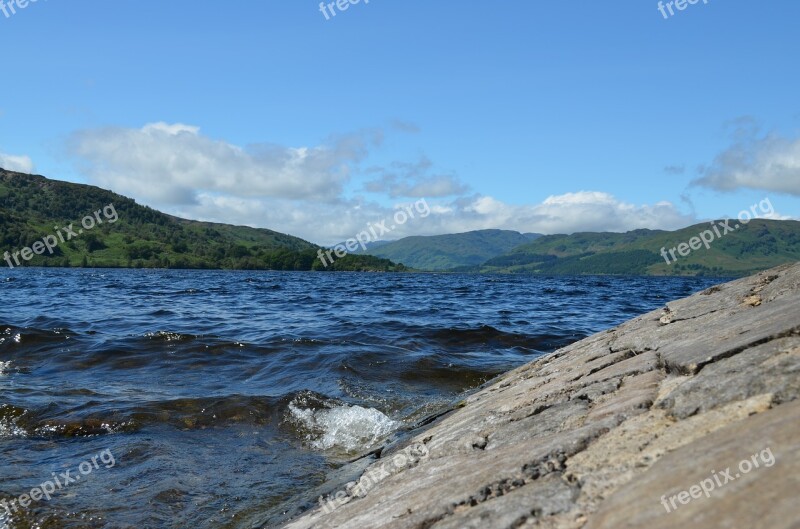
303 190
19 163
174 164
770 162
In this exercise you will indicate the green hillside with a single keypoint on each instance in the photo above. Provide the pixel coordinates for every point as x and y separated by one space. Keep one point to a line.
34 207
756 246
442 252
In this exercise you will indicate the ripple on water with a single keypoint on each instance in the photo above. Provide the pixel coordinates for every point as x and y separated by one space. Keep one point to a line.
213 385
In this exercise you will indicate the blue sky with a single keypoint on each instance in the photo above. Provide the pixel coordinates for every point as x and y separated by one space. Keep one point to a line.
524 114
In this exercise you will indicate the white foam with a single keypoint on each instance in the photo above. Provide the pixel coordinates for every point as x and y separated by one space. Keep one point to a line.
351 428
11 430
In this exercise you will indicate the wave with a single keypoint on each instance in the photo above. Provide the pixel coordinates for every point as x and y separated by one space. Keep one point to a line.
327 424
488 336
16 421
312 419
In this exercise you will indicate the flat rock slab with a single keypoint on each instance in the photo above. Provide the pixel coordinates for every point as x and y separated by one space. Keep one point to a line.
744 475
627 428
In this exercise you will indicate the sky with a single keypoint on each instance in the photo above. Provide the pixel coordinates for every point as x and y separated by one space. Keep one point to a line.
534 116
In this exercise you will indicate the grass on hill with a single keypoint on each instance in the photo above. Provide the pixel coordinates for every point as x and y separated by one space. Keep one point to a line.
33 207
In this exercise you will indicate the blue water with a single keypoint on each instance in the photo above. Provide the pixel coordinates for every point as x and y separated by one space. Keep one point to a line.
224 397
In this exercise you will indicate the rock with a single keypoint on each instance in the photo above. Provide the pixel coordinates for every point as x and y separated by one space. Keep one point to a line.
596 433
714 466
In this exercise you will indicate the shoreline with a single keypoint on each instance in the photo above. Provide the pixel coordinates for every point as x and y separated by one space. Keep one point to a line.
598 433
405 272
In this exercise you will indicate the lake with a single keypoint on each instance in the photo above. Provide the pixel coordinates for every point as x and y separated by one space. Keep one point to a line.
219 399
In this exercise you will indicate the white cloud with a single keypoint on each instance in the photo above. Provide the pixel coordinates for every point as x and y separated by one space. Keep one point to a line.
172 129
776 216
301 190
770 163
405 126
331 223
20 164
172 163
403 179
567 213
675 169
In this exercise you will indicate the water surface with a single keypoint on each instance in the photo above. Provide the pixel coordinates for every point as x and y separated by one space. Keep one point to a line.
226 397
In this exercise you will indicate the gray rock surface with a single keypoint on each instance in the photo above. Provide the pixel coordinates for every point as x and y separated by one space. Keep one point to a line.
618 430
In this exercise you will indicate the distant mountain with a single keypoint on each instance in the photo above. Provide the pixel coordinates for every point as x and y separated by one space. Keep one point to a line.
34 207
442 252
372 246
756 246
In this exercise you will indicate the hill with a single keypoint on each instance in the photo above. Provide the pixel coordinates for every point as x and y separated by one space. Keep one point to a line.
127 234
442 252
36 213
758 245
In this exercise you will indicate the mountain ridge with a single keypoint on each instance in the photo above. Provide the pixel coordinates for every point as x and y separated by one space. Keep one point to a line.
30 205
447 251
754 246
142 237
